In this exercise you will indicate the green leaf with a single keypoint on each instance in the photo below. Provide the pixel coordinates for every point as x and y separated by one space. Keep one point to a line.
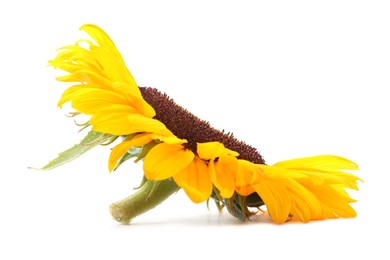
91 140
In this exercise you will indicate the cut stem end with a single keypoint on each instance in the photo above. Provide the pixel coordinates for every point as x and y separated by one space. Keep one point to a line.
148 196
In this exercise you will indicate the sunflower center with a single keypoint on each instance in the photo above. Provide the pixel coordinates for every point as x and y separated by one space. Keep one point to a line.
187 126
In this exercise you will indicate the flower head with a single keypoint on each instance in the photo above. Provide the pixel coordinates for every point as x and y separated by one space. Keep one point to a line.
176 145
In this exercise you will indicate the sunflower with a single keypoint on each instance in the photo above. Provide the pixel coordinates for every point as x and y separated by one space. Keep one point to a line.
179 148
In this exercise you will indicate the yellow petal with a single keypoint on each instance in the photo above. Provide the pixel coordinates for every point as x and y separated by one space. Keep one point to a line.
135 98
68 94
247 175
119 120
86 76
324 169
321 162
118 151
195 181
89 100
113 68
101 38
282 195
245 190
334 201
275 196
212 150
105 42
222 174
171 139
78 56
165 160
66 66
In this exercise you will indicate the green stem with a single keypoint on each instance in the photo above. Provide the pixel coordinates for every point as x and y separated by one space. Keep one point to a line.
148 196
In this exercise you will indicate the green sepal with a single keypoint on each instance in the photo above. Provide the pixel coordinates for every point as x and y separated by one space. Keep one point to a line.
91 140
234 207
131 153
143 181
217 199
254 200
145 149
238 205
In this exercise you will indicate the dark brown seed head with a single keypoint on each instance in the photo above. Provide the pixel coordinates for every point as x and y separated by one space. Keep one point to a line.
187 126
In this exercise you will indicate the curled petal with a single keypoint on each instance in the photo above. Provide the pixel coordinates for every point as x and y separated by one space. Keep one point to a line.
86 76
247 175
222 174
135 98
195 181
112 54
171 139
90 100
102 39
212 150
276 198
120 120
165 160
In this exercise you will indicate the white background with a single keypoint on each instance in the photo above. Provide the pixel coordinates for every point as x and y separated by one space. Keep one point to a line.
292 78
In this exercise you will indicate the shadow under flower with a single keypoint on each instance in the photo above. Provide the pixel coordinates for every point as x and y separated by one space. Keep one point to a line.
199 219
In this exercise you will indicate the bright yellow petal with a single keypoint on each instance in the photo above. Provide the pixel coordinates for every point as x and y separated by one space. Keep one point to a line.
66 66
169 139
90 100
195 181
135 98
68 94
119 120
222 174
247 175
102 39
114 69
282 194
245 190
212 150
321 162
276 198
334 201
118 151
105 42
165 160
321 170
86 76
78 56
72 58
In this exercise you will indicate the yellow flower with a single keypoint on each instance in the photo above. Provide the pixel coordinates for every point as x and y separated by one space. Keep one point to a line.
309 188
177 145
